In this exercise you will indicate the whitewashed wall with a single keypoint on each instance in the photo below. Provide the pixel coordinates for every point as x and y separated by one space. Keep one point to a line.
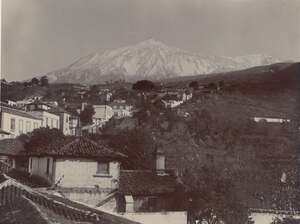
82 173
51 117
179 217
6 121
65 123
267 218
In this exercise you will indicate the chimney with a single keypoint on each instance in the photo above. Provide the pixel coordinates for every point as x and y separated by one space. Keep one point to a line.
160 163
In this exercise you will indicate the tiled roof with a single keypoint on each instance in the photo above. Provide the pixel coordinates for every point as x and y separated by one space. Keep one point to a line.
76 147
22 211
18 112
11 147
145 182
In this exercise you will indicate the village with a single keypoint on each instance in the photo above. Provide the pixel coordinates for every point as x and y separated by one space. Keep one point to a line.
71 166
149 112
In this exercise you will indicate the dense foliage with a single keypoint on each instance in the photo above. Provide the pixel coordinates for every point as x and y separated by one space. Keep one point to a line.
143 85
86 116
41 137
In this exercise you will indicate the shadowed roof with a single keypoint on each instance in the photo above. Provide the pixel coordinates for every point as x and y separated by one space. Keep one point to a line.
76 147
17 112
145 182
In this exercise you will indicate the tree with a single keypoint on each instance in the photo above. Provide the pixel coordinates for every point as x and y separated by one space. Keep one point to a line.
212 86
143 85
194 85
86 116
35 81
41 137
137 144
44 81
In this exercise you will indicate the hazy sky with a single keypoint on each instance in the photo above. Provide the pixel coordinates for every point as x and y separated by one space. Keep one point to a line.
39 36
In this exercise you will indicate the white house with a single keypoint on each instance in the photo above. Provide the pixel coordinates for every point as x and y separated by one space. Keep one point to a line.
64 119
102 113
76 163
81 169
17 122
121 108
171 101
271 120
48 119
268 216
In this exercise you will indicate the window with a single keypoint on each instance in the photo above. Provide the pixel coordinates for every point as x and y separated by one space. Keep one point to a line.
47 122
51 123
103 168
30 163
12 124
35 125
21 126
28 126
48 164
57 126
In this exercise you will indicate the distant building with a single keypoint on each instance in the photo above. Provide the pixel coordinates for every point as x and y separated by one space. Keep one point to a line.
74 125
48 119
17 122
271 120
42 111
121 109
64 119
102 113
37 106
171 101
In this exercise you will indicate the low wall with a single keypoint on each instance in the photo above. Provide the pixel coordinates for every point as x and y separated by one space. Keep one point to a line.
267 216
179 217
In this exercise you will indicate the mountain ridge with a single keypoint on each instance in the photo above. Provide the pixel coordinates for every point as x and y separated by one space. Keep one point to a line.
149 59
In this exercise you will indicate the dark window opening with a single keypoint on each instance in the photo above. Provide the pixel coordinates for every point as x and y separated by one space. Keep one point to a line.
103 168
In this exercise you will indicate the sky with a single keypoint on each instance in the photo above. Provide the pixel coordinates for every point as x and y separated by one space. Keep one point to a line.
40 36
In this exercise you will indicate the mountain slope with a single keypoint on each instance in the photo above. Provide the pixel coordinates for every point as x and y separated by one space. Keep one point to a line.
152 60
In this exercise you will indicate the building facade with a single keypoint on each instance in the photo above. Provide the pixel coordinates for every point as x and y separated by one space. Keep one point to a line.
79 163
17 122
102 113
121 109
48 119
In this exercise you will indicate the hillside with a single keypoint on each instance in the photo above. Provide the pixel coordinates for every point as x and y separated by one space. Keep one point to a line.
150 59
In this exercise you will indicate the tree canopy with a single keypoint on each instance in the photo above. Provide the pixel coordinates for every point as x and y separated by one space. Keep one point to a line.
143 85
86 116
41 137
194 85
44 81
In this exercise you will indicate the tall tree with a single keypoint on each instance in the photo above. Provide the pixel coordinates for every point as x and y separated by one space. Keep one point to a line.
143 85
194 85
86 116
35 81
44 81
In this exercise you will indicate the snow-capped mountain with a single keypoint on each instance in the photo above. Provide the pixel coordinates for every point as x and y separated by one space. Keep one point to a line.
152 60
